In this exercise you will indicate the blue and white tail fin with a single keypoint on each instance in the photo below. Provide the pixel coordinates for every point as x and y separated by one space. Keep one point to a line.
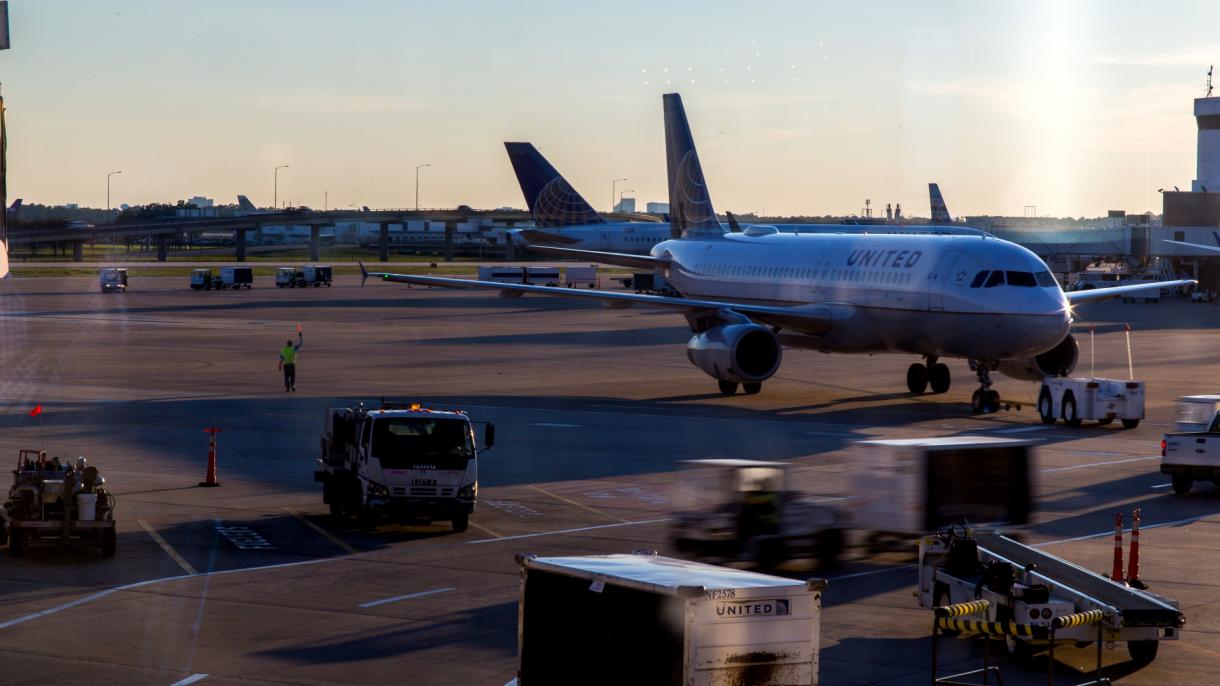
690 206
552 200
940 211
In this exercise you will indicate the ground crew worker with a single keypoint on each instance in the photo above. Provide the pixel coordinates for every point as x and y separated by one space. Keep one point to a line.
288 361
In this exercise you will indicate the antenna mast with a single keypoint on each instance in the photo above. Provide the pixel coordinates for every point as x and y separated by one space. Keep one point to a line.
1209 80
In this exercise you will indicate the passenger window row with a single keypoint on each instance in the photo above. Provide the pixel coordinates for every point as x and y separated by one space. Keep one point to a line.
872 276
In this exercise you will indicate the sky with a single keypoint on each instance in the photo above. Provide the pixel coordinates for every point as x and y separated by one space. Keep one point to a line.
798 108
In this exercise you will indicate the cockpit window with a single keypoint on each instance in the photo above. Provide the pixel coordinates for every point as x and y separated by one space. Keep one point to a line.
1023 279
1045 279
979 279
996 279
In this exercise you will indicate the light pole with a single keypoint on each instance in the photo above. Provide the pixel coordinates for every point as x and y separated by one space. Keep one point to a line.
417 168
275 202
612 186
108 187
621 194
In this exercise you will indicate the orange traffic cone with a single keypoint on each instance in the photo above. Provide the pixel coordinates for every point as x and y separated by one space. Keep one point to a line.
1116 574
1133 564
210 479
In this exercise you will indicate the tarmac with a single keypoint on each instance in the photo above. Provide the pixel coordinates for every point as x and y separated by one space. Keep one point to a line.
594 408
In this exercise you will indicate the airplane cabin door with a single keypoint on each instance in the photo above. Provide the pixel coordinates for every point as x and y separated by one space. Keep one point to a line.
940 278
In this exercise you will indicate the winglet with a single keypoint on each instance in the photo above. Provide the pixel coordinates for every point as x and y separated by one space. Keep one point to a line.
364 274
733 225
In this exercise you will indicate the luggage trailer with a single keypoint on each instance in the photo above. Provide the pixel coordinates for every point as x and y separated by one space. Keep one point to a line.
1027 586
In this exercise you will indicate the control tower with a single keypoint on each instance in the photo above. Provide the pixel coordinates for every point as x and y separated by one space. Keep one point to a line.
1207 116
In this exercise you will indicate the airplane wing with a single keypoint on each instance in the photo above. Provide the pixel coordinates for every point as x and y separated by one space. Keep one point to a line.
809 319
1199 246
618 258
1099 294
536 236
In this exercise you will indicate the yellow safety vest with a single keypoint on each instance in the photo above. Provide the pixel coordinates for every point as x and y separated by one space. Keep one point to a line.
289 355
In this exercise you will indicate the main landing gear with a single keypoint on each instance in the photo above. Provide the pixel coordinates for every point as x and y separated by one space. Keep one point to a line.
984 400
934 374
730 387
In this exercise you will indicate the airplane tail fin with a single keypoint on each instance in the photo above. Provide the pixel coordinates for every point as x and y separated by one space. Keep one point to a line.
734 226
940 211
551 199
690 204
244 204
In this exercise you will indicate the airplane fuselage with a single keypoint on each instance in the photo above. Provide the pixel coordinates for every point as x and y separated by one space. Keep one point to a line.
922 294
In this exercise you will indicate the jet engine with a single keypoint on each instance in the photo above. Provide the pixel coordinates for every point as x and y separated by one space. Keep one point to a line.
740 353
1058 361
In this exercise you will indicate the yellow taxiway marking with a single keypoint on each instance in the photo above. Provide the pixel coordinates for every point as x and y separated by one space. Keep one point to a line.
169 550
569 501
325 534
485 530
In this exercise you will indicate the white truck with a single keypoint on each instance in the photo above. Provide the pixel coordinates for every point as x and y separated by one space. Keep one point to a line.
1192 451
646 619
1102 400
113 280
401 462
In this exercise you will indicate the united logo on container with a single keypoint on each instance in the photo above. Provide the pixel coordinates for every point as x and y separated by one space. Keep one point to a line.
753 608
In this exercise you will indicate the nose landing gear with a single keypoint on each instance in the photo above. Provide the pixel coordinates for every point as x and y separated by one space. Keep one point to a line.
934 374
984 400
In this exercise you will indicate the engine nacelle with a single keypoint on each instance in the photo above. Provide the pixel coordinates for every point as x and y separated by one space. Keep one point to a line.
741 353
1058 361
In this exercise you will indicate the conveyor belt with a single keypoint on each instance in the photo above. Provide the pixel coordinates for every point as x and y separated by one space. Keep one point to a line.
1137 609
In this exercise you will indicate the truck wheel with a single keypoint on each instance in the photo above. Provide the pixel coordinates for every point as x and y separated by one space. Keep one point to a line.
109 542
1182 484
1130 423
1069 410
1046 406
940 598
830 546
365 519
16 543
460 522
1142 652
336 510
3 534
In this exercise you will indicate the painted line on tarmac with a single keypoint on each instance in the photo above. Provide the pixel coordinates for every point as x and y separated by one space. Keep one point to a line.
1162 485
560 532
557 425
1021 430
569 501
383 601
1099 464
325 534
871 572
169 550
1158 525
148 582
190 680
485 530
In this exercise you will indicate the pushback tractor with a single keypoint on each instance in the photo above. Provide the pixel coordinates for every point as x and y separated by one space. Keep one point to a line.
400 462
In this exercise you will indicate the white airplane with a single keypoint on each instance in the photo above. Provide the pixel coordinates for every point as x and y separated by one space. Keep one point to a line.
562 217
1199 246
748 295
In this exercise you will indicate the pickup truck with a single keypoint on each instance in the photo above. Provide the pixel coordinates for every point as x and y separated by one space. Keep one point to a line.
1188 456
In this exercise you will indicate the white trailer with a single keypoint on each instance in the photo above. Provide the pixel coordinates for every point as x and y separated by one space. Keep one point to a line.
1102 400
502 274
581 276
645 619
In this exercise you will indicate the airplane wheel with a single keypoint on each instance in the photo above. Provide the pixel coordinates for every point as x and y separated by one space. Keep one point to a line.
728 387
917 378
978 402
1046 407
752 388
938 377
1130 423
993 401
1069 410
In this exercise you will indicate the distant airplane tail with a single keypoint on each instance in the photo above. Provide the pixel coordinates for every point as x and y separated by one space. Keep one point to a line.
940 211
244 204
734 226
690 204
14 209
552 201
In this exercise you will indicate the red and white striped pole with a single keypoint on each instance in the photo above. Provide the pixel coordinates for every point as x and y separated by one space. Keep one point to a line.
1133 564
1116 574
210 477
